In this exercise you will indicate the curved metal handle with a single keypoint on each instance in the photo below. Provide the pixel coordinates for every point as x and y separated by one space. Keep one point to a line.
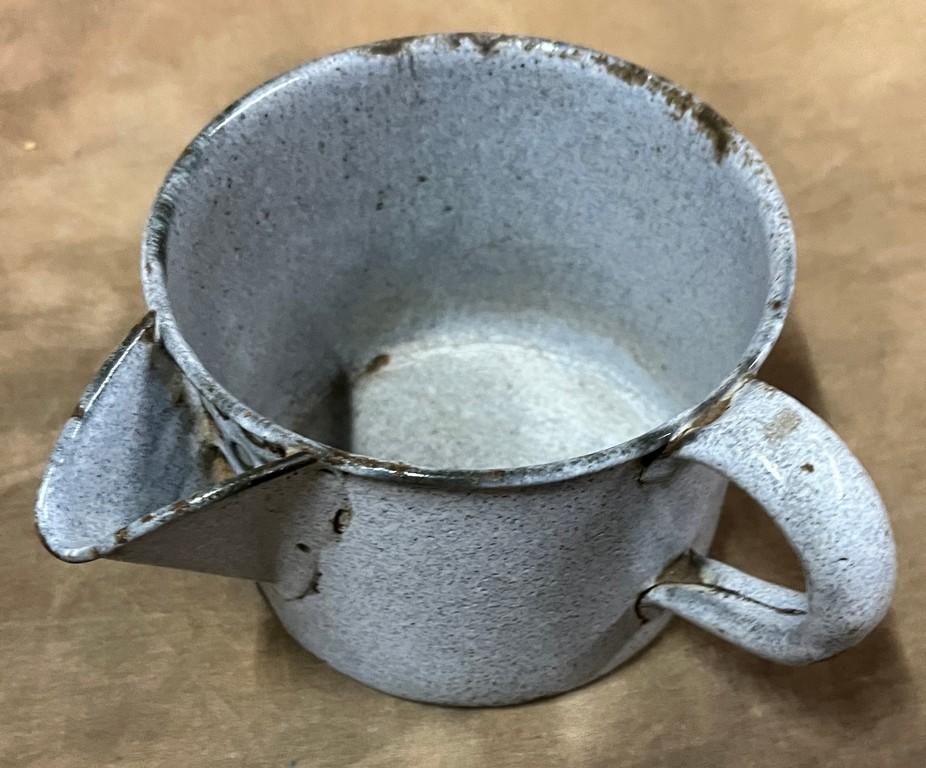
824 502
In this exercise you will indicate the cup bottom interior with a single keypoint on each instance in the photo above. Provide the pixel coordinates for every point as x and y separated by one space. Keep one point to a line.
482 393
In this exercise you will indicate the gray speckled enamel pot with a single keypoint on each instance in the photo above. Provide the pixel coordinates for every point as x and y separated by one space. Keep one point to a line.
533 281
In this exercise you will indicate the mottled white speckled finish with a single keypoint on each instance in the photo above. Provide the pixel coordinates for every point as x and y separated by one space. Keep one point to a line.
829 510
406 249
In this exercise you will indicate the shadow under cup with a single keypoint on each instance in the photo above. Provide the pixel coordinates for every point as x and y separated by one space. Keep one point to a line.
456 257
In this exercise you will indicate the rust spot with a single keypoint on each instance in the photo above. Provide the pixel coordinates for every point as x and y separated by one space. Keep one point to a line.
180 507
378 362
389 47
484 43
678 100
149 334
148 518
776 304
121 536
710 414
706 417
715 127
717 130
79 411
337 458
784 423
623 70
808 467
341 520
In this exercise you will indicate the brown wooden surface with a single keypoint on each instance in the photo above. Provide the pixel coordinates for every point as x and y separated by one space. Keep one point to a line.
114 664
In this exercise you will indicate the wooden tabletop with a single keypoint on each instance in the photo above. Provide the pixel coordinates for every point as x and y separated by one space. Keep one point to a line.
116 664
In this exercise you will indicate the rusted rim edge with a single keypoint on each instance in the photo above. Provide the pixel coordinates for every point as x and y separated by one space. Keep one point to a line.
781 259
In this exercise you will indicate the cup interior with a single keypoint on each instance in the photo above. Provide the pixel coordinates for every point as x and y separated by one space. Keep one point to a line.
472 252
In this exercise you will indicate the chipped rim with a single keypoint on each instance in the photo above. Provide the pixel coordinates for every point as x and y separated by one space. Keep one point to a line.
781 258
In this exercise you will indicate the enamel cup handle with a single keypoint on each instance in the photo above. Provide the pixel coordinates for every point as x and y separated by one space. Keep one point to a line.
825 504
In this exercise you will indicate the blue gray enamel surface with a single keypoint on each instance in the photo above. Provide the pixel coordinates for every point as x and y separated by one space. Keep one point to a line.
385 193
